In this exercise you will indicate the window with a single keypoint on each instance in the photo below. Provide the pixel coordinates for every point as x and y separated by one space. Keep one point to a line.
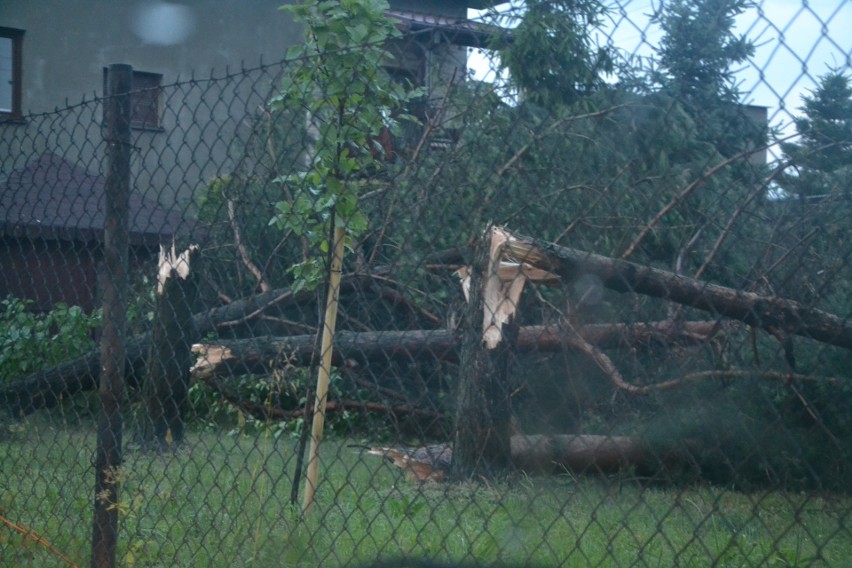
144 100
11 41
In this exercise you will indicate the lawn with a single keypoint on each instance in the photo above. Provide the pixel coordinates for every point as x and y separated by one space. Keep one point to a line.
223 500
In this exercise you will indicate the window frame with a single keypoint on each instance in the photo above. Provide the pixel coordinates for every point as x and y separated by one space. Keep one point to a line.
17 37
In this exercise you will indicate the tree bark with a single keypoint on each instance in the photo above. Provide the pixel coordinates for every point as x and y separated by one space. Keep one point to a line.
482 445
165 389
584 453
226 358
241 356
770 313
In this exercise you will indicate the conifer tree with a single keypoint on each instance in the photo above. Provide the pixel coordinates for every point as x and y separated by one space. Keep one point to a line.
821 161
696 58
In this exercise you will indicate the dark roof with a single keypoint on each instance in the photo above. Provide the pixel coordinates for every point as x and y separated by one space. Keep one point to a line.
459 31
51 199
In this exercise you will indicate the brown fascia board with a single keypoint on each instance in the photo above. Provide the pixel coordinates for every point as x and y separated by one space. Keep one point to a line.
459 31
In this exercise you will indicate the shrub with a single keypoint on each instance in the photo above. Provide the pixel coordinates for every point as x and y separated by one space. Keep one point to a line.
31 341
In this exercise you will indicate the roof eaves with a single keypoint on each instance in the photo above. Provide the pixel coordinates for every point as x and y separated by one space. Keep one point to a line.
460 31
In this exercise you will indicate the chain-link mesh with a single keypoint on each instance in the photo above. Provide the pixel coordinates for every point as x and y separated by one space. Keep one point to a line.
594 321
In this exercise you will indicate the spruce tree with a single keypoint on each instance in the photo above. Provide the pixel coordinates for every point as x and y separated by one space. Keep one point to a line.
696 57
821 161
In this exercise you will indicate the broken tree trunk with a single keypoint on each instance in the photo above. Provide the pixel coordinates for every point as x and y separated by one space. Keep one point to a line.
582 453
260 355
483 415
579 453
226 358
47 387
165 389
770 313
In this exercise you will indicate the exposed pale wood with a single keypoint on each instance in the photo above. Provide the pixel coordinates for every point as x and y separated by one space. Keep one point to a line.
505 279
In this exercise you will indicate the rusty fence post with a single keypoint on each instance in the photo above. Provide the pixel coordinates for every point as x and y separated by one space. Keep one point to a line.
113 280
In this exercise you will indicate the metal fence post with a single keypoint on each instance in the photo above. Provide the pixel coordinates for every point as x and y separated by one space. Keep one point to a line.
114 287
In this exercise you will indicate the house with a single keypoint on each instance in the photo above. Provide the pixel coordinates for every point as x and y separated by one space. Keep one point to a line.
54 52
185 119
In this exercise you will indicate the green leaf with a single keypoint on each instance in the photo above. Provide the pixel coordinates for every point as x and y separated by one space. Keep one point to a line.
356 103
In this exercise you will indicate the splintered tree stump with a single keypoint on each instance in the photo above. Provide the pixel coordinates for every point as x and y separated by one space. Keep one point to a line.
165 388
483 420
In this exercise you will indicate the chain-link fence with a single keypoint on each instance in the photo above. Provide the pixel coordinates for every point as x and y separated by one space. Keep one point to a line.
592 311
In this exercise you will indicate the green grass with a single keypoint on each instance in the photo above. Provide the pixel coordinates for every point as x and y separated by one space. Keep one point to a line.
223 501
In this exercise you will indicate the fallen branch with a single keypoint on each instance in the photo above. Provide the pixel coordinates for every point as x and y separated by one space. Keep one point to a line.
580 453
36 538
726 230
267 412
733 374
605 363
692 187
607 366
245 257
584 453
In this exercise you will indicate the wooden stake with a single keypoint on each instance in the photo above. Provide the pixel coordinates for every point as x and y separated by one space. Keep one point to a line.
324 375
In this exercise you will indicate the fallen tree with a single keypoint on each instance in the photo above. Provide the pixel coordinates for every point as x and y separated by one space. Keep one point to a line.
770 313
580 453
261 355
493 285
776 315
47 387
224 358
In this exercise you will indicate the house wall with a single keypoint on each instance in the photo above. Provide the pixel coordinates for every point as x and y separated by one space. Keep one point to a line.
68 43
48 272
66 46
